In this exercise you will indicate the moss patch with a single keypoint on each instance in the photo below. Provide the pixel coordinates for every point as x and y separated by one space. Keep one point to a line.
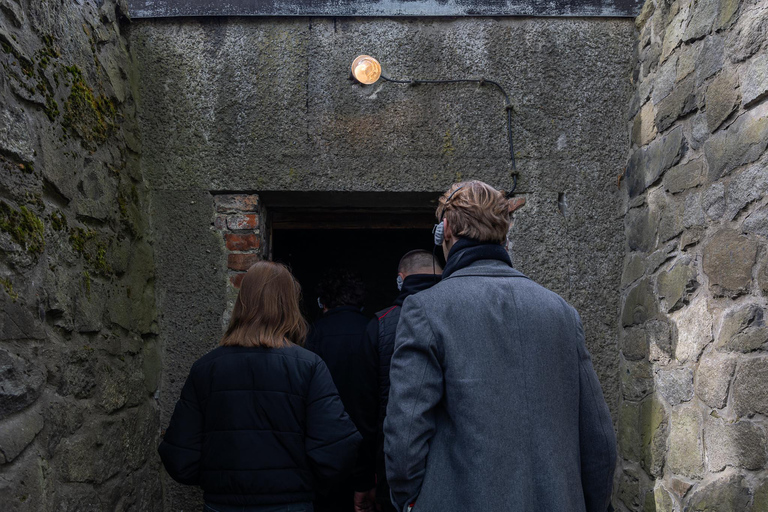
25 227
92 247
58 221
90 117
9 289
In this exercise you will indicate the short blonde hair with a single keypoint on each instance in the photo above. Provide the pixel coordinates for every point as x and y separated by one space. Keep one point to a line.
475 210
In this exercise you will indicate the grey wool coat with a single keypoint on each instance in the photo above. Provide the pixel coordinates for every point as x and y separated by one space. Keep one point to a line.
494 404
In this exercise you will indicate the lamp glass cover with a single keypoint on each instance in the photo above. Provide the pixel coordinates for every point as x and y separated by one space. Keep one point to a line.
366 69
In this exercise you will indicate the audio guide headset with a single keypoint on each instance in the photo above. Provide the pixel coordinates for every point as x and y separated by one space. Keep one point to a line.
439 229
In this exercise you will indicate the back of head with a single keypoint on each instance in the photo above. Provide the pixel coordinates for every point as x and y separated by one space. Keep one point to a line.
418 261
267 312
475 210
341 287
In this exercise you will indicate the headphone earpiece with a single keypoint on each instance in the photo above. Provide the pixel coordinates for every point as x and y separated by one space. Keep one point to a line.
438 231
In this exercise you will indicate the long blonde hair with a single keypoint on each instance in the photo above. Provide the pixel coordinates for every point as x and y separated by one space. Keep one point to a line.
267 312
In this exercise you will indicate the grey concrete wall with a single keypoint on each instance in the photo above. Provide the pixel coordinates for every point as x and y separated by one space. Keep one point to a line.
692 421
79 365
266 105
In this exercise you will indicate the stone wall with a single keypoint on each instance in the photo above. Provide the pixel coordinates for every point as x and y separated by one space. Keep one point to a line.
79 364
694 367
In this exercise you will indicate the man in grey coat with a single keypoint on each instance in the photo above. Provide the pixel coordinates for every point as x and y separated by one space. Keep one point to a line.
494 404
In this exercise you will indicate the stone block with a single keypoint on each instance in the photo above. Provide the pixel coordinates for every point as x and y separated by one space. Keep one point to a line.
636 379
728 259
628 431
713 379
18 431
746 187
677 286
662 500
640 305
15 138
746 39
713 201
725 494
644 127
242 261
757 222
152 365
694 330
679 102
722 99
699 130
641 226
691 237
711 58
675 385
742 143
21 383
762 276
664 81
634 268
236 203
684 176
653 434
686 62
693 210
741 444
679 487
673 35
647 164
760 501
634 344
743 329
725 13
671 221
686 454
659 257
750 388
661 341
754 79
704 13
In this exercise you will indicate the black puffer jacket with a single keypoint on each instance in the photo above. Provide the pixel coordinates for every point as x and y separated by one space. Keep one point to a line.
338 337
259 426
381 331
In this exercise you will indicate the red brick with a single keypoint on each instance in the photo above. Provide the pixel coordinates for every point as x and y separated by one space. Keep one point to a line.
516 203
238 222
242 242
220 222
236 202
242 261
237 279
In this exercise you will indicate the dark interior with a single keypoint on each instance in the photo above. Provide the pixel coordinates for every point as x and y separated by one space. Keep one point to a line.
372 253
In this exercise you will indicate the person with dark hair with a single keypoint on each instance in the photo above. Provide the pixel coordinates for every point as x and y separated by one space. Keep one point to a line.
494 404
338 338
417 271
260 424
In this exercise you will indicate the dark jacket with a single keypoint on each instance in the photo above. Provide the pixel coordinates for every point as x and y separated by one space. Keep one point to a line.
259 426
381 333
494 403
338 337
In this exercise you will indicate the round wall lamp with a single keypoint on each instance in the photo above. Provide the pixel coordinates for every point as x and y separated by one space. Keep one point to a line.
366 70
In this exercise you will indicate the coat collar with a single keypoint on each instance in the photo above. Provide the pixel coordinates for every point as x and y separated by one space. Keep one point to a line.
491 268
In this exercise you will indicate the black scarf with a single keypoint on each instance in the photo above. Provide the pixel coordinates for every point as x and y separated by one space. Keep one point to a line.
416 283
467 251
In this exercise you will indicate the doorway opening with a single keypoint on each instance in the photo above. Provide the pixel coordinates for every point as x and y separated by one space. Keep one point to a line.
367 233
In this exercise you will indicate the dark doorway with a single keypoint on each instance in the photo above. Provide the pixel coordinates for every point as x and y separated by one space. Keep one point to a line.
364 232
372 253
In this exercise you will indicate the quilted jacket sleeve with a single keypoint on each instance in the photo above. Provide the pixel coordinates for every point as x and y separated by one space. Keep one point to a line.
181 447
331 439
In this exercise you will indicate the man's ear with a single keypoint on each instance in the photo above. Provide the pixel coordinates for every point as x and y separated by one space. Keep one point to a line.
447 233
